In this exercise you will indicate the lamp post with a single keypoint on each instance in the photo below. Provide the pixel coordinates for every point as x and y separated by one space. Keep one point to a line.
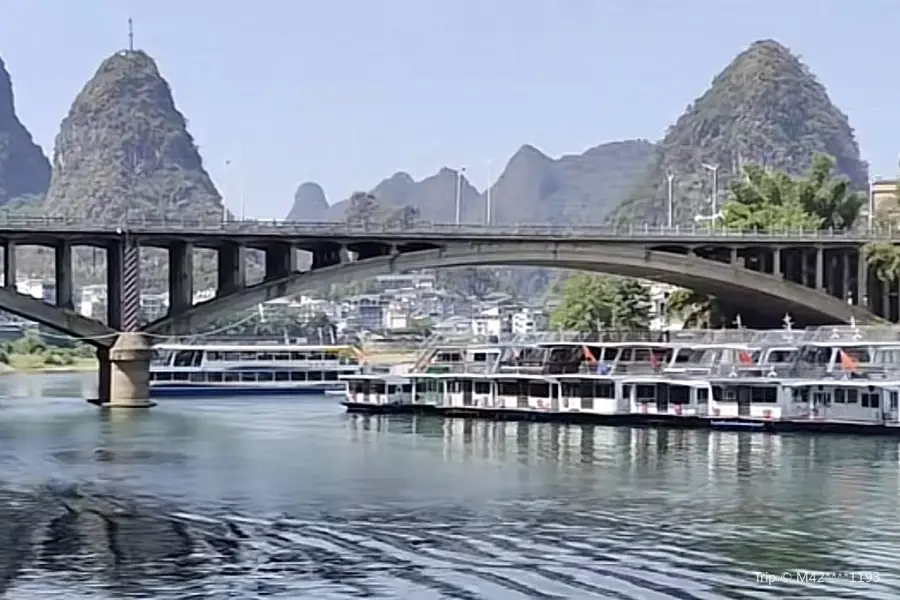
459 176
488 217
714 199
670 177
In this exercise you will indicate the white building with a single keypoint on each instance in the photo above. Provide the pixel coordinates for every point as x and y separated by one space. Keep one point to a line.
488 323
528 320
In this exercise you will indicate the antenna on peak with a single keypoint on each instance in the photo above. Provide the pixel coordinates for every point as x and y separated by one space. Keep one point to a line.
130 34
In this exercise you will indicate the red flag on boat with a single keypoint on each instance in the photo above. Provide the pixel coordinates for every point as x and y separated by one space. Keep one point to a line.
654 360
745 357
588 355
847 361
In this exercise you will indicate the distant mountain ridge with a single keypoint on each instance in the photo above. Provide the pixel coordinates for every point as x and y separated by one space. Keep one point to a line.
24 168
533 188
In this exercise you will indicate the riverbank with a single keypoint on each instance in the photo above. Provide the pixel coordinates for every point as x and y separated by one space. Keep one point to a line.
40 363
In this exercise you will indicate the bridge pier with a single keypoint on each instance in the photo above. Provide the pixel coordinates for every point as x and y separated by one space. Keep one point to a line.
231 269
9 264
181 277
65 289
281 261
125 373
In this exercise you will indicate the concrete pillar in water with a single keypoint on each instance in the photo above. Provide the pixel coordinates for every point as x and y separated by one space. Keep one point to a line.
129 372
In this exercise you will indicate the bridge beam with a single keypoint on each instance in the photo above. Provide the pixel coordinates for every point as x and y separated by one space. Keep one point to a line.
741 286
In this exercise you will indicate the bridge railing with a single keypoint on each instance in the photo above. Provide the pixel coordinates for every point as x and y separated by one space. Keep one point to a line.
323 229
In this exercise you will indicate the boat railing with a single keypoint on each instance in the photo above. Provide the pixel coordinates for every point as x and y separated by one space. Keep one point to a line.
853 333
460 367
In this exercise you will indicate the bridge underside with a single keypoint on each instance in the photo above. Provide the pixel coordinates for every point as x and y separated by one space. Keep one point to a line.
63 320
752 293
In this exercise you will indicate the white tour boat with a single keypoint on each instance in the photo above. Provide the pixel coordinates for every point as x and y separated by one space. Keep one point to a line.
220 369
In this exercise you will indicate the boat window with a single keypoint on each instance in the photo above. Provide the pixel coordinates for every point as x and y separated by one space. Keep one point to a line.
298 356
314 376
406 388
266 356
232 377
282 376
852 396
641 355
702 396
213 355
625 355
801 395
840 395
587 404
482 387
331 376
298 376
248 376
184 358
604 389
179 376
781 356
816 355
266 376
763 395
479 357
646 392
679 394
729 394
378 387
331 355
870 399
508 388
539 390
215 376
893 405
247 356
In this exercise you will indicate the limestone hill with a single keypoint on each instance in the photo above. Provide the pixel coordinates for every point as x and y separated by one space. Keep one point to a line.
533 188
767 108
24 169
124 148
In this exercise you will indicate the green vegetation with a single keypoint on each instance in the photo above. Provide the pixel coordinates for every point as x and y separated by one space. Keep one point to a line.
31 353
590 303
766 200
765 108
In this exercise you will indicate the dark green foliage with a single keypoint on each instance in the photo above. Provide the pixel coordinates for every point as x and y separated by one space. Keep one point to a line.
124 151
591 303
765 108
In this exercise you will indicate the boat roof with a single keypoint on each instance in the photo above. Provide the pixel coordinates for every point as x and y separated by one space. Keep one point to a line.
250 347
857 383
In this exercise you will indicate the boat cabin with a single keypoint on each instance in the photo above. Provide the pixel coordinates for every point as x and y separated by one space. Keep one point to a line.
843 401
375 388
746 397
651 395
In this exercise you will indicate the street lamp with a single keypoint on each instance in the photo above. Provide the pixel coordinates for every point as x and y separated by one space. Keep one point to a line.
713 206
670 177
871 205
459 177
488 217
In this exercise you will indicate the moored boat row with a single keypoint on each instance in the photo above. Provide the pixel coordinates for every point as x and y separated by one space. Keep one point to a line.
835 379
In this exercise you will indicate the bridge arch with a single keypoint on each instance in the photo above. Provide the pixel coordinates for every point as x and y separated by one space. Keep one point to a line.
734 284
65 321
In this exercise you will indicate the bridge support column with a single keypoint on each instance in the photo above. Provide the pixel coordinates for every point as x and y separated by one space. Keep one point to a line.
820 268
845 276
281 261
63 275
776 261
129 372
9 265
181 277
862 280
231 269
103 376
123 301
329 256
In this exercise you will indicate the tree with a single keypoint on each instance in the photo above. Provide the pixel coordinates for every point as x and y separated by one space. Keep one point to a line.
591 302
404 218
770 200
362 210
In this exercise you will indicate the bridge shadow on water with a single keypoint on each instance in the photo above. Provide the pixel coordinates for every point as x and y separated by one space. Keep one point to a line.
501 510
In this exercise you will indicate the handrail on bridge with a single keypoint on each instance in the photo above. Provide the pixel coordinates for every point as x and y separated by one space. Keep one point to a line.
164 226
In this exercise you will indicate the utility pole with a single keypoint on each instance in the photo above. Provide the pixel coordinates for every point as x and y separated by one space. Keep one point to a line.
459 177
670 176
714 201
130 34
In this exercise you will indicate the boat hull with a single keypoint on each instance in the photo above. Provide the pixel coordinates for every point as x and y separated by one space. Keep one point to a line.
628 420
207 390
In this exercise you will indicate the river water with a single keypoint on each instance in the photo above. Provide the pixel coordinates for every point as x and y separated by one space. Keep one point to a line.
280 498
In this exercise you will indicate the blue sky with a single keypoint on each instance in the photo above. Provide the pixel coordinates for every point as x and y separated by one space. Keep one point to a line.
347 92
